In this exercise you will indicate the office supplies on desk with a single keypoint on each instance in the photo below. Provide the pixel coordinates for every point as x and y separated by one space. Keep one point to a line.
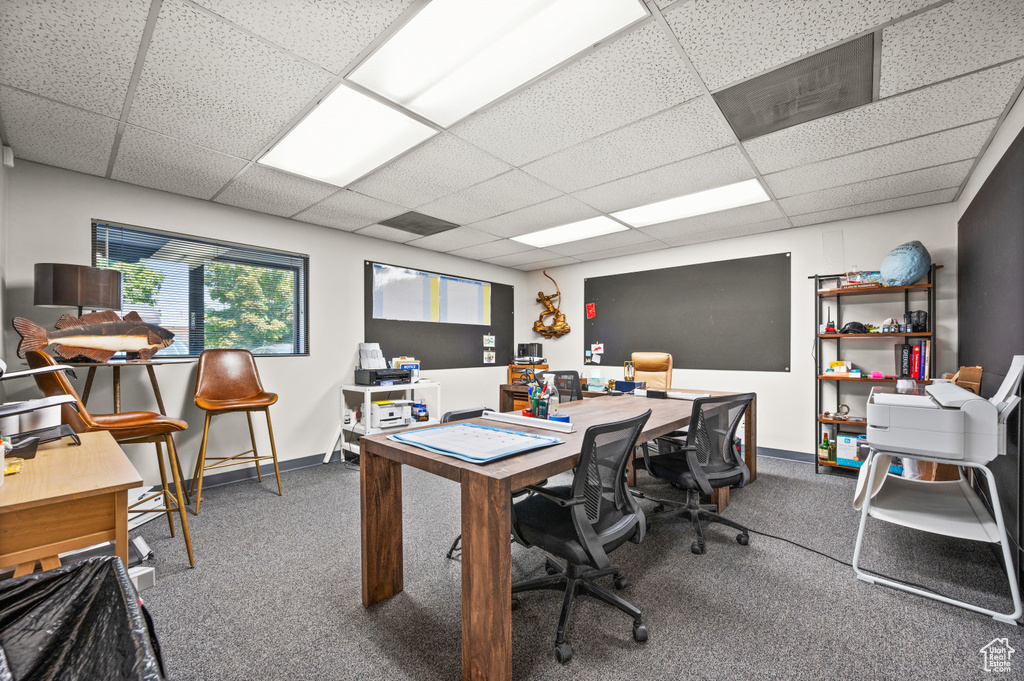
543 424
475 443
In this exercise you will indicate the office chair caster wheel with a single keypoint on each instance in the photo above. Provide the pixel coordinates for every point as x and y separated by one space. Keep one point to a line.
563 652
620 583
551 569
516 602
659 508
697 548
743 539
639 633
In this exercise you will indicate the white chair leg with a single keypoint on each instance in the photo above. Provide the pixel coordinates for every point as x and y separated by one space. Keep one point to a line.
871 462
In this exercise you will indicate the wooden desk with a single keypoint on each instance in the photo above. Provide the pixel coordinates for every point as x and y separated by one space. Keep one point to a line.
516 396
66 498
486 518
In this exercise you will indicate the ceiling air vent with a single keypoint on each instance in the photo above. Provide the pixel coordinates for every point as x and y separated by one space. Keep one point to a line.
820 85
418 223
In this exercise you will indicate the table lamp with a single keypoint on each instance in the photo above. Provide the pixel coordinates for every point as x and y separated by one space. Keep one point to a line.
81 286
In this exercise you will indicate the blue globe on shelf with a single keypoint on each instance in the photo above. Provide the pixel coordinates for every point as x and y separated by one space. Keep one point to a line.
905 264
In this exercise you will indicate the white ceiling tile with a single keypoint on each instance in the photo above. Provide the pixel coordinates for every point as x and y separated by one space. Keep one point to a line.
152 160
921 152
269 190
965 100
348 210
916 182
688 130
47 132
876 207
714 169
438 167
626 80
454 239
387 233
558 211
699 236
79 53
212 85
523 258
652 245
330 34
731 40
491 249
758 212
956 38
498 195
626 238
543 264
662 4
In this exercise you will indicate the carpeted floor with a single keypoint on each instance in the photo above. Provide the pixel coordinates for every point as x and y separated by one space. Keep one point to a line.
275 593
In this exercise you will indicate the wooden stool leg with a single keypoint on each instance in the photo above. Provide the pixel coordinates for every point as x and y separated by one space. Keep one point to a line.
49 563
255 454
166 498
173 456
273 450
200 463
23 569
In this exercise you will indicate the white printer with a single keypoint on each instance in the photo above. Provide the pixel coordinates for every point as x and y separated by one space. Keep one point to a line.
943 420
390 413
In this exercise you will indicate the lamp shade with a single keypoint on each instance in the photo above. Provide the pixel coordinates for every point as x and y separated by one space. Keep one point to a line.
81 286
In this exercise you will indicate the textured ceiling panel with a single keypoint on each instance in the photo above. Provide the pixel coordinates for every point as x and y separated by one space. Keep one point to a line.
629 237
207 83
48 132
152 160
544 264
876 207
652 245
699 236
491 250
636 76
921 152
526 257
348 211
269 190
682 132
758 212
553 213
957 38
715 169
492 197
386 233
729 40
329 34
79 53
916 182
438 167
454 239
965 100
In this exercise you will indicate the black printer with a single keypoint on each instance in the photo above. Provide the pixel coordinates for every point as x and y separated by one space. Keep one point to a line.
383 376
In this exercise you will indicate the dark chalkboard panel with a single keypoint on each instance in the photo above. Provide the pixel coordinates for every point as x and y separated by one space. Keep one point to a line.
730 315
437 345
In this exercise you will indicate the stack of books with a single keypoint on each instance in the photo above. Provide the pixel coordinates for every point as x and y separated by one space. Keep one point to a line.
913 359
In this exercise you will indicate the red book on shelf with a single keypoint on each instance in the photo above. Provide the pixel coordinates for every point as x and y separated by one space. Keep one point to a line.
915 362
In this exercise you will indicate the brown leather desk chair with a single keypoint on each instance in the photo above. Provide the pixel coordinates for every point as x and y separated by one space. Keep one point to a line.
128 428
227 381
653 367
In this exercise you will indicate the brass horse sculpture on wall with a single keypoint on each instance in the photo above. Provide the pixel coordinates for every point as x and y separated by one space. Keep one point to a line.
557 327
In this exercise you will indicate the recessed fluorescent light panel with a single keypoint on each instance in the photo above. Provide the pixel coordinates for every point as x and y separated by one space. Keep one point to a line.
710 201
346 136
455 56
574 231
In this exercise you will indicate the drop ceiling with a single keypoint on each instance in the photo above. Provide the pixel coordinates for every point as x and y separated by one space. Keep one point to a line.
185 95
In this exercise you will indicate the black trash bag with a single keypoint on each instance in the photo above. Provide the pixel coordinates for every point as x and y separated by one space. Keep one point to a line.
78 622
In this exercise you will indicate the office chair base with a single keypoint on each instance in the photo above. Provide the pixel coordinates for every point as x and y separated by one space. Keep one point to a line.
698 514
577 580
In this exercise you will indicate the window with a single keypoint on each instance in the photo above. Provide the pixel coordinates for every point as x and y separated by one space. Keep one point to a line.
210 294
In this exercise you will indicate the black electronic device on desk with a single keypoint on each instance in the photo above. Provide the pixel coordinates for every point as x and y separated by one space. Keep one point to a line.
383 376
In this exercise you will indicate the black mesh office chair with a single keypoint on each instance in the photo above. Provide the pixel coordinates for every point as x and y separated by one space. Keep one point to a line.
568 384
584 522
709 458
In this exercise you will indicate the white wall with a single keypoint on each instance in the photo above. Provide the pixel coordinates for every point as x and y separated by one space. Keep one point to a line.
1007 132
49 221
785 400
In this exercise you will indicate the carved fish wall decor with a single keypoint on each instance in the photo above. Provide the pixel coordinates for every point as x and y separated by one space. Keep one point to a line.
97 336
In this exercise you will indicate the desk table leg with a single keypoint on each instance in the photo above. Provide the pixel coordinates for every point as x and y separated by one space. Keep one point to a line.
380 503
486 578
121 526
750 439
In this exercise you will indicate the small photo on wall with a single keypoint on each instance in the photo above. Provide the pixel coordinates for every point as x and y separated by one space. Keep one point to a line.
489 358
488 341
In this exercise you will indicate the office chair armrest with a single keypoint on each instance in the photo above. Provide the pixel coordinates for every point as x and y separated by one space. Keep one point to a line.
557 498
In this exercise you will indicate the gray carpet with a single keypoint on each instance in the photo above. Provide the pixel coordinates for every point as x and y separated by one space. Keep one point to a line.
275 593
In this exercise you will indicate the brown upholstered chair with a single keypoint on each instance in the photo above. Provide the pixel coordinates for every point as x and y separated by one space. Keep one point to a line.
653 367
127 428
227 381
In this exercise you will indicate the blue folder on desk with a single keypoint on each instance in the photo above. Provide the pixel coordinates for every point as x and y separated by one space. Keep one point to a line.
474 443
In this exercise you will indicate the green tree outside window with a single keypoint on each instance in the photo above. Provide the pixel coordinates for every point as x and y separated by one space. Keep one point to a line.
258 304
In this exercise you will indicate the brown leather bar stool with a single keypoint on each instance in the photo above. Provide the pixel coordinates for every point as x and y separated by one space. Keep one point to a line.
127 428
227 381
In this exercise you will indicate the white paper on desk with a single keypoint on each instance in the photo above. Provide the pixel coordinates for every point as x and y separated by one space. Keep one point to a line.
475 443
